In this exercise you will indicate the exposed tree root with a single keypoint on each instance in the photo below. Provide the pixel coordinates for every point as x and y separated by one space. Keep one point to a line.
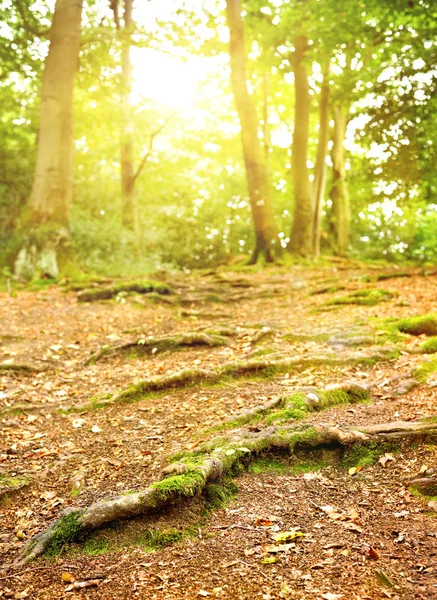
24 368
140 287
190 474
261 368
151 345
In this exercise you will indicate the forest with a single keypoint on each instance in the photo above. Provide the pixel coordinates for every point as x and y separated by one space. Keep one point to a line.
218 319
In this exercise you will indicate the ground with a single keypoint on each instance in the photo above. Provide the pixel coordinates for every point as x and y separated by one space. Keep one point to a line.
366 533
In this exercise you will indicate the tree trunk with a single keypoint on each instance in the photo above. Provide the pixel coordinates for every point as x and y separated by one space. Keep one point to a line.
130 218
302 229
47 247
320 167
266 238
340 212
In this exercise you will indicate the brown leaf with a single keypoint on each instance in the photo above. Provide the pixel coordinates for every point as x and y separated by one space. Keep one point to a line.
354 470
372 553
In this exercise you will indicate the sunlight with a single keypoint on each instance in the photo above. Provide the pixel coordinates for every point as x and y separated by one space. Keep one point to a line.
169 80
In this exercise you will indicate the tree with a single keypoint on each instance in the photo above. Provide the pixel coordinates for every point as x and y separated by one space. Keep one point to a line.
47 249
266 238
301 241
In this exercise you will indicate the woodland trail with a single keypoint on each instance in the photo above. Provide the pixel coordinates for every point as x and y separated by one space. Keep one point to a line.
67 440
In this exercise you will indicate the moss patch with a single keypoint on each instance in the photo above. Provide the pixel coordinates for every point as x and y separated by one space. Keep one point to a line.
65 531
430 346
426 369
421 325
269 464
368 297
365 455
138 287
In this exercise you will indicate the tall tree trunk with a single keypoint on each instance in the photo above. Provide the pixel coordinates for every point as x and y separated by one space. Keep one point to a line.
266 130
130 217
319 184
266 238
302 229
47 222
339 194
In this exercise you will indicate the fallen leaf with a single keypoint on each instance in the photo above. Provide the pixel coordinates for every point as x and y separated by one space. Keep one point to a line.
67 578
288 536
95 429
331 596
372 553
354 470
268 560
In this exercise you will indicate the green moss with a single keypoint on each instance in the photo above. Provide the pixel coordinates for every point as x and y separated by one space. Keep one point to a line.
422 325
262 352
426 369
139 287
156 539
65 531
218 495
365 455
430 346
368 297
185 485
308 467
95 546
11 484
267 464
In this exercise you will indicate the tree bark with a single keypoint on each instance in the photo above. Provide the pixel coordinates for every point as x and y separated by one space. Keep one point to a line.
339 194
130 216
266 238
48 242
319 185
302 229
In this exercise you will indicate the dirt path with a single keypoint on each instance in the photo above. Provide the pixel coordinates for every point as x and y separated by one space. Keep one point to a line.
365 535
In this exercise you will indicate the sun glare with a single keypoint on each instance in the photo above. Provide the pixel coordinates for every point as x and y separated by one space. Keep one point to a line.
168 80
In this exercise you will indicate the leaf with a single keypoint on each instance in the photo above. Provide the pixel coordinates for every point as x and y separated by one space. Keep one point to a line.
383 578
67 578
354 470
268 560
271 548
230 452
263 522
372 553
383 460
95 429
288 536
331 596
77 423
203 593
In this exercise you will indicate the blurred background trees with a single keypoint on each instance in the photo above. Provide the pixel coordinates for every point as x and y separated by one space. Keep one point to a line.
340 100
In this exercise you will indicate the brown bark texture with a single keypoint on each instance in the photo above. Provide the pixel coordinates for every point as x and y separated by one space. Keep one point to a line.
53 183
52 190
319 184
339 194
301 242
267 242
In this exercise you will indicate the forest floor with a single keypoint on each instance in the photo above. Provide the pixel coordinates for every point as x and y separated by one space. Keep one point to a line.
365 533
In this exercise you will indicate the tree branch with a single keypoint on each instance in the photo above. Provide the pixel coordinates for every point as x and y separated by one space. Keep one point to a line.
30 28
150 148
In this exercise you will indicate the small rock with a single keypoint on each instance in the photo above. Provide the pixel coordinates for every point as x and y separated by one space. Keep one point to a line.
433 505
